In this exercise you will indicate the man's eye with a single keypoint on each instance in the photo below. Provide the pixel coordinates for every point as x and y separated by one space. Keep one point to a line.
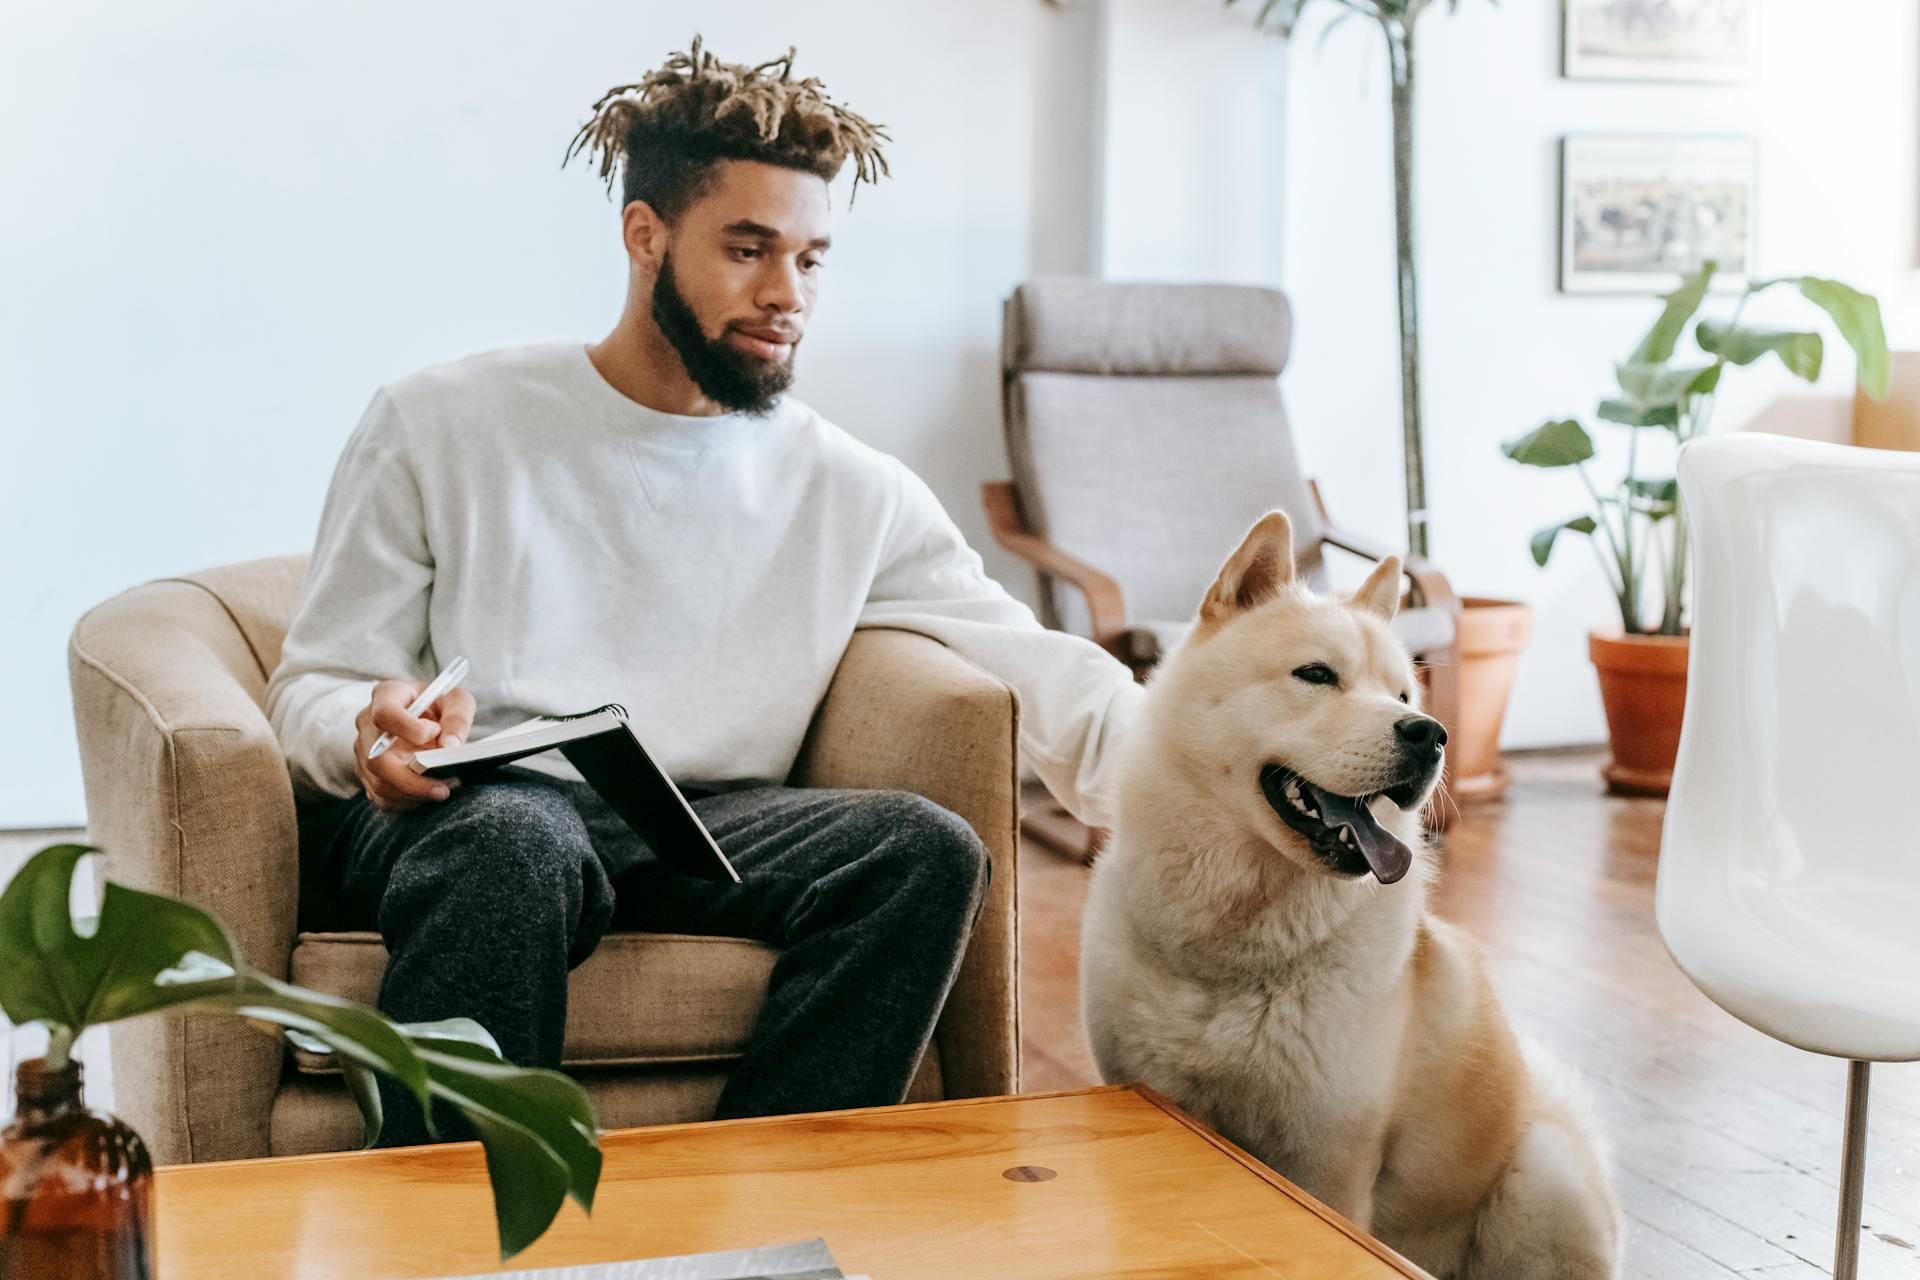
811 264
745 254
1317 673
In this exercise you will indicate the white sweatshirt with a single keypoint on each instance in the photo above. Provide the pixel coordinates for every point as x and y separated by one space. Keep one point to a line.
707 573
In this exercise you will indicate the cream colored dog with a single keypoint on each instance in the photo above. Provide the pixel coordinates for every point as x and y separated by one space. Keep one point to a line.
1257 947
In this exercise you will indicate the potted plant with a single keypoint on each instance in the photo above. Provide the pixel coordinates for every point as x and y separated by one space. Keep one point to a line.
1636 525
74 1185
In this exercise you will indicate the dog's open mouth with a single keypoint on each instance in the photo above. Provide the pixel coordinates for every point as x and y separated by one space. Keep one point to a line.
1341 829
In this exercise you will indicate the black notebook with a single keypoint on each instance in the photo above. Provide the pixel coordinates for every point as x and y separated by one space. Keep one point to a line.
606 751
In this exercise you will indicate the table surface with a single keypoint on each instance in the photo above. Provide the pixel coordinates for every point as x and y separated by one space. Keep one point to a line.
1107 1183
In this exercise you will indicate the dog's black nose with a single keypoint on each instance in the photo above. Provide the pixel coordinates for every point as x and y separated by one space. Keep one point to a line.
1423 734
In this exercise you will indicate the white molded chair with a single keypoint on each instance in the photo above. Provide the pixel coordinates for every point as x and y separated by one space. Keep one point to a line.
1789 885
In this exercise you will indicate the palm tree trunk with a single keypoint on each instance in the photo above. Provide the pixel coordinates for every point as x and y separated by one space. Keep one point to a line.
1400 56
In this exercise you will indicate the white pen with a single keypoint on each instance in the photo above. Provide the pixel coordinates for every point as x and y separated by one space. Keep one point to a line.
456 672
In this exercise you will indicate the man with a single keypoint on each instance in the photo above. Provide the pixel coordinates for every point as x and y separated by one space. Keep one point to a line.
652 520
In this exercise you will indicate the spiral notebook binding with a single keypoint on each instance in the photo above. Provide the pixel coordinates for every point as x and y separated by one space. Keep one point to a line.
614 707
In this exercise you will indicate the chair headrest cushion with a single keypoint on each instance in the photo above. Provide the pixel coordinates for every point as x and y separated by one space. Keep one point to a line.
1074 324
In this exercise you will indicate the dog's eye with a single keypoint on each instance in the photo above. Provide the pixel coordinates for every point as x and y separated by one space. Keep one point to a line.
1317 673
1404 698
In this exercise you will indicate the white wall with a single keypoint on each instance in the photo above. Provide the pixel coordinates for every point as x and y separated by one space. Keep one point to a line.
1834 108
1192 135
225 224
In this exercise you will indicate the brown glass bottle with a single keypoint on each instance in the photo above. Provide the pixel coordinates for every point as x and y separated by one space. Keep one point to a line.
76 1187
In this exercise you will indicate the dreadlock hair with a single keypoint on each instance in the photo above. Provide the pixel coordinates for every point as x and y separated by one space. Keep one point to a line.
669 130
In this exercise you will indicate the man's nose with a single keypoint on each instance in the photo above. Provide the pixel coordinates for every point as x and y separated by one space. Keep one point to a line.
781 290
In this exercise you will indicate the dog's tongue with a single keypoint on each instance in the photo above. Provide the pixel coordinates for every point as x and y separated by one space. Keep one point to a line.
1388 858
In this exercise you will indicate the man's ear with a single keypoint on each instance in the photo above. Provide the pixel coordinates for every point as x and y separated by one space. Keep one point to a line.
645 233
1380 593
1256 573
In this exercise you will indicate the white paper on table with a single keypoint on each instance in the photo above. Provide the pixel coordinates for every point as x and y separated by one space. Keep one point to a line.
801 1260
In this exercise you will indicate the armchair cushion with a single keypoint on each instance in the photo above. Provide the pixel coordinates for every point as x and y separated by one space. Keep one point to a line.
641 999
1153 479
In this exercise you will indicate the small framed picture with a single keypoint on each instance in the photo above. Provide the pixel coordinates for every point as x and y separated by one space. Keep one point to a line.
1638 211
1660 39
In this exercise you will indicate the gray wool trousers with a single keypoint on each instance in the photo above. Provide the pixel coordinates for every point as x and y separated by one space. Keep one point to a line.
487 899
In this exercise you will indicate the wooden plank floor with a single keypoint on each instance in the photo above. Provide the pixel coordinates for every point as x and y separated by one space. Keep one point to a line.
1727 1143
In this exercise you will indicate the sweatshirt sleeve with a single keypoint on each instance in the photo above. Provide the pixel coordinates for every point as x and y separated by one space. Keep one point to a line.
1076 699
362 616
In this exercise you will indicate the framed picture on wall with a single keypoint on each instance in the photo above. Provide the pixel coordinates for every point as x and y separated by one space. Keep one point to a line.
1637 211
1660 39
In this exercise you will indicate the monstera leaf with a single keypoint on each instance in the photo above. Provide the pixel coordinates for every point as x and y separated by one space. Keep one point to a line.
149 953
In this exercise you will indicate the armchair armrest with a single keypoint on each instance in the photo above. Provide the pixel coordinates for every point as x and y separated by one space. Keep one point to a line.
188 795
906 713
1105 607
1430 585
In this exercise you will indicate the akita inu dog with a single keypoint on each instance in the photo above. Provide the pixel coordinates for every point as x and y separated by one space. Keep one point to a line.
1257 946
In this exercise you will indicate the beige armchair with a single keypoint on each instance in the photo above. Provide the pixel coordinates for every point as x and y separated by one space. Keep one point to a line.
188 795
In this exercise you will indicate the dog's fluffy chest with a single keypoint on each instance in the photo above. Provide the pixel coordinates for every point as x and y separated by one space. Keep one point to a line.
1271 1038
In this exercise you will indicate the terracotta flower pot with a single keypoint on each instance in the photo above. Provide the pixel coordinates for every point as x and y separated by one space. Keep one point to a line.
1492 634
1643 681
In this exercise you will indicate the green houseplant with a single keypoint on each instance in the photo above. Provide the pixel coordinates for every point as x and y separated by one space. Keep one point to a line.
1636 525
149 953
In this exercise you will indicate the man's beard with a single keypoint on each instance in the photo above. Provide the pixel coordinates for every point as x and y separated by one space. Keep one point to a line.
732 379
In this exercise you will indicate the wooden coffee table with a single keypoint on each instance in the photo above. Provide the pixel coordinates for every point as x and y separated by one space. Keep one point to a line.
1103 1183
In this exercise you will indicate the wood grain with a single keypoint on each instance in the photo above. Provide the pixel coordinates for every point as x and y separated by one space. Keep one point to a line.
903 1192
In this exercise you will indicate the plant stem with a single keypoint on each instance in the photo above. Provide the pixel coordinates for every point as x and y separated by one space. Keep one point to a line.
59 1046
1676 573
1608 569
1649 545
1399 34
1653 545
1627 569
1629 612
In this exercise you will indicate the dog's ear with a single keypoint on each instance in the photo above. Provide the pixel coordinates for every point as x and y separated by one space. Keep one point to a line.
1256 573
1380 593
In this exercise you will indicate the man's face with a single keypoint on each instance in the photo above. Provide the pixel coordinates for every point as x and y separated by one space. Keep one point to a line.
738 281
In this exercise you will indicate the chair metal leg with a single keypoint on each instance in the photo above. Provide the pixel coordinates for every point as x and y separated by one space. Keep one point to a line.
1853 1176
